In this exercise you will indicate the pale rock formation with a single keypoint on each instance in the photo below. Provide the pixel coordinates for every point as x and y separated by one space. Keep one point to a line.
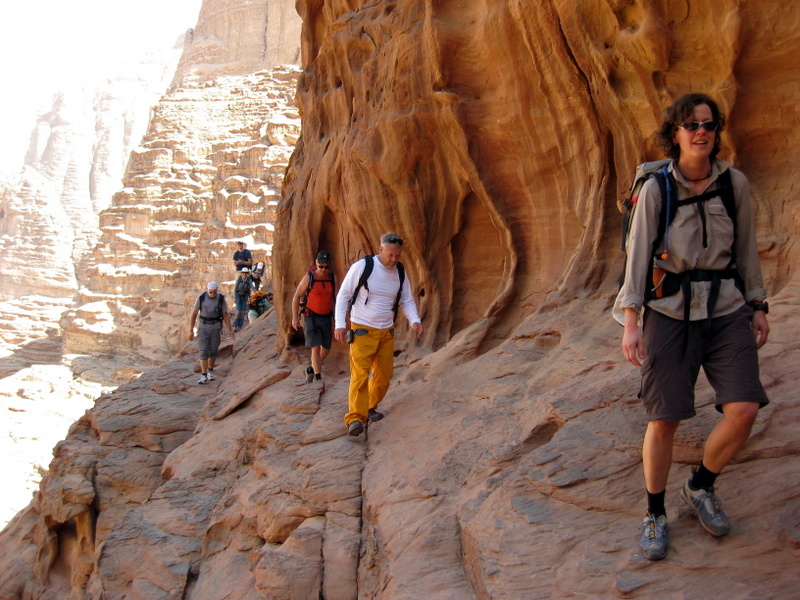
496 138
78 152
208 173
240 37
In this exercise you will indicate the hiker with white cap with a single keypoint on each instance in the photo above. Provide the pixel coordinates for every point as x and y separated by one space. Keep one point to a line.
212 309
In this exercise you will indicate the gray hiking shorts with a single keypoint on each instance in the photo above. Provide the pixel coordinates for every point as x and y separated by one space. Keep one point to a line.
726 351
208 338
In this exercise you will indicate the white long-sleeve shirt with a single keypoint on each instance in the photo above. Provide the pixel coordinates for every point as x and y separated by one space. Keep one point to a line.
373 308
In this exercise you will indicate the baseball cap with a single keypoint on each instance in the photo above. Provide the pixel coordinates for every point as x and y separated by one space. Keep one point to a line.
324 257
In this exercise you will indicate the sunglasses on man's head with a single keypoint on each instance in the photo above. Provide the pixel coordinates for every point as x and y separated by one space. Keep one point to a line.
394 240
695 125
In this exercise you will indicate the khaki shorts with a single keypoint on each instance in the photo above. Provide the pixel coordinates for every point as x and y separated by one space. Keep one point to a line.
726 352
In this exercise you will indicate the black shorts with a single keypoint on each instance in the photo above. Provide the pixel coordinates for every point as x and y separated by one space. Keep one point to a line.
318 330
727 353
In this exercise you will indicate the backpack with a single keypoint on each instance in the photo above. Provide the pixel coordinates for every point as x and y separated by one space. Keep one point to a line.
304 310
220 303
369 265
669 207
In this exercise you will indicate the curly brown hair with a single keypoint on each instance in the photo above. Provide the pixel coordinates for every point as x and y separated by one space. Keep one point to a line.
679 112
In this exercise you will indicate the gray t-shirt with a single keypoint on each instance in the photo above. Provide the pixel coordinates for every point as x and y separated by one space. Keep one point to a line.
207 306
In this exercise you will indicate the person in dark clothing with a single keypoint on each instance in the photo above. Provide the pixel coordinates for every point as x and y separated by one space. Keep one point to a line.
242 257
320 289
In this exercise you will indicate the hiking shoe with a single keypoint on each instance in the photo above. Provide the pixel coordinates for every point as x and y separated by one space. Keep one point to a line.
374 415
203 379
309 374
654 537
355 428
210 375
708 509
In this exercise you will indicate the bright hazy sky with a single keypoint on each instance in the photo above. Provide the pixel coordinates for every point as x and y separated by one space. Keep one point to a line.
45 44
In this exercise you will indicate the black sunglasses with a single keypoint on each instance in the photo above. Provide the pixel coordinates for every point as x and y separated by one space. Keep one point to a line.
393 239
322 266
695 125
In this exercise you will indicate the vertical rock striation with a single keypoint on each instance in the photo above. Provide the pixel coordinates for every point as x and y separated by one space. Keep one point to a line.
496 137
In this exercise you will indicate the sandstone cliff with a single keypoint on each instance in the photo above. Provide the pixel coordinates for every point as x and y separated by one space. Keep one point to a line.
207 173
76 158
496 137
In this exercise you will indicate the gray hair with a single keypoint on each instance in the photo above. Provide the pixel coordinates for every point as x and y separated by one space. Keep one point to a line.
391 238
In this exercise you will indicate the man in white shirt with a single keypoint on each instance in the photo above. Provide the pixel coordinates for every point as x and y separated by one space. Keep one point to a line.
374 310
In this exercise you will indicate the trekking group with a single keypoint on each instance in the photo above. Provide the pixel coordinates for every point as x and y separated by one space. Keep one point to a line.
692 297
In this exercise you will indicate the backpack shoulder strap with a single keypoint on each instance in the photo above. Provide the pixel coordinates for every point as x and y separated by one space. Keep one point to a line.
666 185
220 304
726 192
401 271
362 281
310 280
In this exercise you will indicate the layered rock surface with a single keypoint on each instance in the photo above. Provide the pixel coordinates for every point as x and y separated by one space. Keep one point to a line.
75 161
496 138
208 173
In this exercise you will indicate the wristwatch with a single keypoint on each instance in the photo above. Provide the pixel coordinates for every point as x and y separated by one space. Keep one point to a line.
762 306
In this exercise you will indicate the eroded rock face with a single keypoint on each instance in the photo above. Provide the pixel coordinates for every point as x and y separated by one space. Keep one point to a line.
240 37
76 158
495 137
208 173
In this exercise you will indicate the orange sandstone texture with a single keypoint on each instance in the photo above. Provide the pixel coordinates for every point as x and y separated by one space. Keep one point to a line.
496 137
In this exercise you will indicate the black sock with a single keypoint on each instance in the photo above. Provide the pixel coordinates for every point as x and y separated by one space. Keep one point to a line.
317 375
702 478
655 503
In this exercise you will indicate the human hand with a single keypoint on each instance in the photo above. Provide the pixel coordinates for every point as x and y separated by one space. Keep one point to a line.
633 345
418 328
760 327
191 334
295 323
341 335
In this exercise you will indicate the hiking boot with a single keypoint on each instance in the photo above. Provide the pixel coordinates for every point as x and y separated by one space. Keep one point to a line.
654 537
210 375
355 428
374 415
708 509
309 374
203 379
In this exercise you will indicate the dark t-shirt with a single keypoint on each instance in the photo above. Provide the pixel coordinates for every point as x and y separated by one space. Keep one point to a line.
244 255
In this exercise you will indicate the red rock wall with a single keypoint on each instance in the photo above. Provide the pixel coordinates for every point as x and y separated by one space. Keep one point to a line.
498 136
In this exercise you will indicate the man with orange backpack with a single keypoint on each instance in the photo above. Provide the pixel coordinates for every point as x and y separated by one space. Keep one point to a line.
319 289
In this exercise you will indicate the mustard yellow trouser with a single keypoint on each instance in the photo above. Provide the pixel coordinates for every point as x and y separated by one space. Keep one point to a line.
371 353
